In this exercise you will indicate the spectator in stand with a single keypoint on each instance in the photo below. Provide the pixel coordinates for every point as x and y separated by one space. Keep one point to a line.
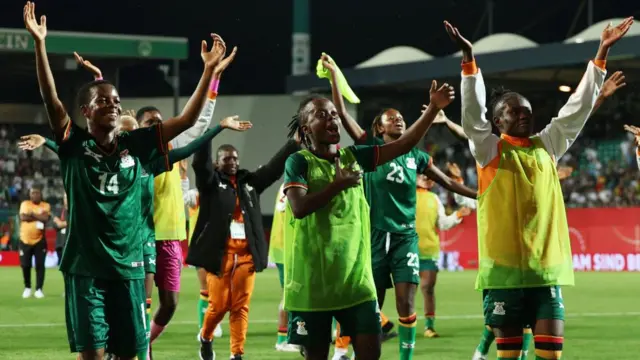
34 214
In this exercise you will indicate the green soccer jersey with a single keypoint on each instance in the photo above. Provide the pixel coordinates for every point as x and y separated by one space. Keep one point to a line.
105 201
328 253
391 190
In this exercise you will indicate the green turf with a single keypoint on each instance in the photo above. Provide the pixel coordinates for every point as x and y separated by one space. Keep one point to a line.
602 320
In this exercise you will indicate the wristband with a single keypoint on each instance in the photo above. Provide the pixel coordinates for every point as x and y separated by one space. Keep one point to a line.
214 85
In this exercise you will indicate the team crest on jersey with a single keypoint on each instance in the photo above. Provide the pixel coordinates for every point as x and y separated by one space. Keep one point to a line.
411 163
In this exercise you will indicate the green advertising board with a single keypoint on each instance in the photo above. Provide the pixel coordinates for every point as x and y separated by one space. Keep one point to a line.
97 45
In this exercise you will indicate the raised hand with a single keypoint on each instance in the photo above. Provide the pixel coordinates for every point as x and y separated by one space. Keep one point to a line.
212 57
441 97
613 83
464 44
30 142
610 34
464 211
38 31
224 63
129 112
328 63
454 170
232 122
97 74
347 177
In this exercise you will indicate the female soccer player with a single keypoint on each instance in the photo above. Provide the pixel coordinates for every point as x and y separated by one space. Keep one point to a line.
328 248
523 260
431 217
102 262
391 194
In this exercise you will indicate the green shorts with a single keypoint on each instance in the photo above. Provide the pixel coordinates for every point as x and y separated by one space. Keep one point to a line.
149 255
428 265
522 307
106 314
281 274
394 255
308 328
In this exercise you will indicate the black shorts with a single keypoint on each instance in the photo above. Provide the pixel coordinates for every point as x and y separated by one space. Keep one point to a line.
37 250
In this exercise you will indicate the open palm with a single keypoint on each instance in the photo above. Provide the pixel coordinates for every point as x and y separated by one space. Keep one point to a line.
224 63
441 97
232 122
611 34
30 142
38 31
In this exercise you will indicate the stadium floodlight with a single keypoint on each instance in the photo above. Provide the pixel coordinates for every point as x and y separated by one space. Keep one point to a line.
564 88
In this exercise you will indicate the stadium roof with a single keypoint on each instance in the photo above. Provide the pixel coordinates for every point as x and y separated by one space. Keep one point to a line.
510 56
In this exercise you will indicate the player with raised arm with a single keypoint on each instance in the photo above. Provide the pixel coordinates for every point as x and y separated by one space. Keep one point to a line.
391 194
331 226
168 216
102 262
524 260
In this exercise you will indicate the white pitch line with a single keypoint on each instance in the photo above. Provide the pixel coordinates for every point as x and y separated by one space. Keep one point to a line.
273 321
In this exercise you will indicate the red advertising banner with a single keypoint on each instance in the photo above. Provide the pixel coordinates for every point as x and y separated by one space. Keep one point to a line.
601 240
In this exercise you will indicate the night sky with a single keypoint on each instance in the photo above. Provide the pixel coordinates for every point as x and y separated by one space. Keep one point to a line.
350 30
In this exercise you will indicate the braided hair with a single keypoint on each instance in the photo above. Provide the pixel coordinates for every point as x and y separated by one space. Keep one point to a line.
377 121
300 119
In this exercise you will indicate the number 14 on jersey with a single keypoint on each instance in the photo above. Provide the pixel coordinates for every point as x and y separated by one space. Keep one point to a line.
109 183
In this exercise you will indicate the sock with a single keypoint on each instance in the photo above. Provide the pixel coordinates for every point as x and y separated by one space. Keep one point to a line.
430 319
509 348
203 303
147 316
156 330
407 335
486 340
26 276
346 91
527 335
548 347
282 335
40 271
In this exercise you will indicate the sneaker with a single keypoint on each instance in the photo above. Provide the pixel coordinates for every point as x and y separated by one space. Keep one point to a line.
388 335
430 333
26 293
236 357
206 350
217 333
479 356
286 347
39 294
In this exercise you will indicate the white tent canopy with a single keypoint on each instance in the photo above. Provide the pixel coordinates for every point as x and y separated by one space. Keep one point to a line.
489 44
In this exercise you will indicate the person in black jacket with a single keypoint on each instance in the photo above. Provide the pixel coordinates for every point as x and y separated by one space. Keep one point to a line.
228 240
